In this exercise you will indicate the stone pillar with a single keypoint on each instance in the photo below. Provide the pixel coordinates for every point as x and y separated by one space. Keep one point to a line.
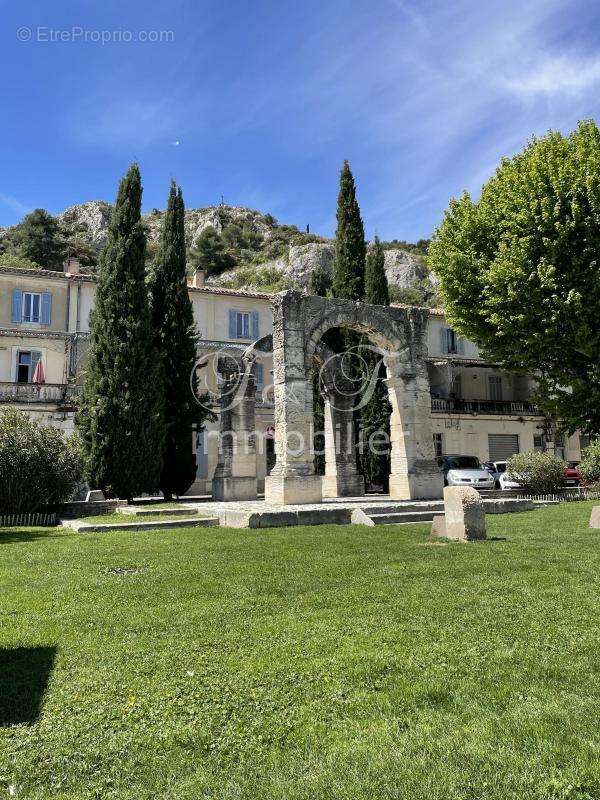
235 474
414 473
293 478
341 475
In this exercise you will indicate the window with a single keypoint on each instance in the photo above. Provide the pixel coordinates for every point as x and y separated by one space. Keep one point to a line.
258 372
32 307
584 441
438 445
456 387
559 445
538 443
243 324
451 341
495 386
26 363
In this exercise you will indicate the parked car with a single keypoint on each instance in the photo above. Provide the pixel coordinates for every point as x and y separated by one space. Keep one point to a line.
507 482
496 469
572 475
465 471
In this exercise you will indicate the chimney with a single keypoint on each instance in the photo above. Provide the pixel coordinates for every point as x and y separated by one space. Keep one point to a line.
198 279
72 266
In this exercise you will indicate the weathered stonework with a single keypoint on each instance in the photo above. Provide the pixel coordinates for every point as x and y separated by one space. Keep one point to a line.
464 515
595 517
299 323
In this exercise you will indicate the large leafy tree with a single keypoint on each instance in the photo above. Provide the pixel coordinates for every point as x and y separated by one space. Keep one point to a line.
175 338
40 238
520 270
375 456
121 414
350 249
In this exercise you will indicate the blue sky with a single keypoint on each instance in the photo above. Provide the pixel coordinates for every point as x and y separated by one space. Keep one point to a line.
261 101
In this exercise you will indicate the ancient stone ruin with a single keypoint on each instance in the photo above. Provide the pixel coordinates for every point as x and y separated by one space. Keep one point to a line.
464 515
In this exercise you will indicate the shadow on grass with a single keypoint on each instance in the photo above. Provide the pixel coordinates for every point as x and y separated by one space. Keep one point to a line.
24 675
21 534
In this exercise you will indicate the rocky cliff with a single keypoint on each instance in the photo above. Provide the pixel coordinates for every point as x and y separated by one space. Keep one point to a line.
294 263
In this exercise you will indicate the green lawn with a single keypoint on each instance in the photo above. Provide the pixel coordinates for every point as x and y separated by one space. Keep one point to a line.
313 663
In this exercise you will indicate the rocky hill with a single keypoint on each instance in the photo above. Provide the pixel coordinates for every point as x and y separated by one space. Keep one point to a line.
268 256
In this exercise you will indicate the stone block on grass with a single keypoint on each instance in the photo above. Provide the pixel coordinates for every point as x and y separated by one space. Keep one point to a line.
595 517
464 513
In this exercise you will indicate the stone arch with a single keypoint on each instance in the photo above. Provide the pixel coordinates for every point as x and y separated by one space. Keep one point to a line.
299 324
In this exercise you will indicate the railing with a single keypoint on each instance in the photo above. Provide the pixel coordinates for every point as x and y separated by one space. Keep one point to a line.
33 393
503 407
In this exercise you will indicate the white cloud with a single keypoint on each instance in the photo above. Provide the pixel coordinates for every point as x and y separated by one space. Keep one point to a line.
557 75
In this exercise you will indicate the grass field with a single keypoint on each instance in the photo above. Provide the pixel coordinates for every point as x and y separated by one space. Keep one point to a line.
312 663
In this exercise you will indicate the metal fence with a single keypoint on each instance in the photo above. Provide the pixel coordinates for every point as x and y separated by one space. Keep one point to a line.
38 518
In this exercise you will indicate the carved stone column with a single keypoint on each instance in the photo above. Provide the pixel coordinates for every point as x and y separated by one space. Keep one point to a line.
293 478
414 471
341 477
235 474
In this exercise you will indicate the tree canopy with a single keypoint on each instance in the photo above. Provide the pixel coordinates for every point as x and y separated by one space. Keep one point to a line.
520 270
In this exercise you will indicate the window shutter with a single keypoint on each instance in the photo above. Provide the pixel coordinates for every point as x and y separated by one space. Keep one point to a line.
254 325
201 455
46 315
460 346
232 325
258 375
17 305
444 339
35 357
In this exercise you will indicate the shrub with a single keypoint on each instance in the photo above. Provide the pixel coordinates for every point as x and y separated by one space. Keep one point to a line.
538 472
14 260
590 463
38 466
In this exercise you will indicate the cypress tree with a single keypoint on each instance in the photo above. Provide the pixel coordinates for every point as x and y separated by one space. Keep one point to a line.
377 292
349 261
375 466
175 338
121 414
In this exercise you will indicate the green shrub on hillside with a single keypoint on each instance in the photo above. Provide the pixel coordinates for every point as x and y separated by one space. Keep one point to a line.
38 466
538 472
15 261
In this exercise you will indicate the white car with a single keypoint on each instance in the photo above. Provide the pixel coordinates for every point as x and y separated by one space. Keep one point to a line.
507 482
465 471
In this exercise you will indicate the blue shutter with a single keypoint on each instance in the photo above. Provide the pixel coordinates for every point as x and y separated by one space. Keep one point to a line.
444 339
201 455
46 308
258 375
17 306
254 334
232 324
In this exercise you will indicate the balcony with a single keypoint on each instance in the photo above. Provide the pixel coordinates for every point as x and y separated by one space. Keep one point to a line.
506 408
34 393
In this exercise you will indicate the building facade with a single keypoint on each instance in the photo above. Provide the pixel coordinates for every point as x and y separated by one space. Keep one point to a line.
477 409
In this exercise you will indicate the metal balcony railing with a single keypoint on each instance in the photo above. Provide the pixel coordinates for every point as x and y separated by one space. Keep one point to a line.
33 393
508 408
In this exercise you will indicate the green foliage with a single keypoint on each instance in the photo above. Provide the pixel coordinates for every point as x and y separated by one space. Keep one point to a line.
209 253
520 273
590 463
320 282
121 415
376 283
175 341
539 472
264 279
420 248
15 261
420 293
40 238
350 249
39 468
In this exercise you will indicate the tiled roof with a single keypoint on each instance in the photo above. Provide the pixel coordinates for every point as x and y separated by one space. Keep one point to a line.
222 290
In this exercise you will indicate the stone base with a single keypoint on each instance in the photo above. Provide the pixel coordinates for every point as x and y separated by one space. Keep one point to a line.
343 486
283 490
595 517
429 486
234 488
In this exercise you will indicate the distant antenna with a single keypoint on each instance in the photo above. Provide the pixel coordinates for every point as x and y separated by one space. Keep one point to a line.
222 200
308 228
